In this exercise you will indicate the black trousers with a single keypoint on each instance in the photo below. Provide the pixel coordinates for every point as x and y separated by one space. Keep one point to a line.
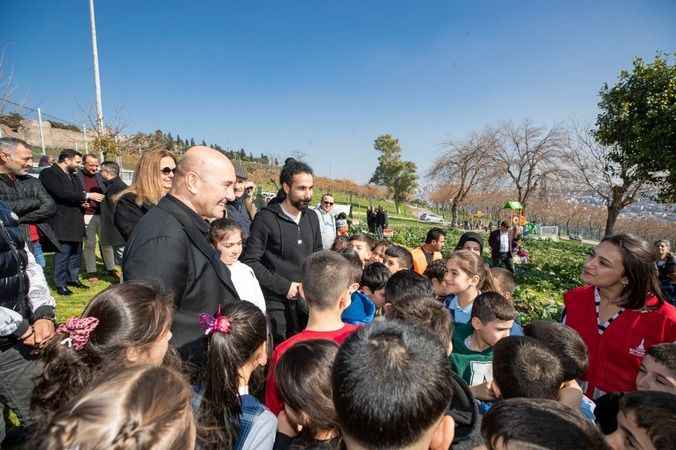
287 317
504 260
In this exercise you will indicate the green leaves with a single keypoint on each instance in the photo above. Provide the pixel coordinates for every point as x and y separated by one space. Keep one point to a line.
398 176
638 119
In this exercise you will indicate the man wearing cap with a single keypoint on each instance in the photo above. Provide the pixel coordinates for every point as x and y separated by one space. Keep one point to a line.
238 210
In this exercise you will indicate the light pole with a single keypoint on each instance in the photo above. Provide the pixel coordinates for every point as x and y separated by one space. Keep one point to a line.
95 57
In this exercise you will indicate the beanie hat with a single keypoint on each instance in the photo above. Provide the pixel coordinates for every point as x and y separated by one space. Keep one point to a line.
471 236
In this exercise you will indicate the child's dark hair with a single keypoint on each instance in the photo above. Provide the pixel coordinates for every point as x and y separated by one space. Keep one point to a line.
525 423
655 412
425 312
433 234
490 306
436 270
341 243
564 342
404 256
133 314
361 237
473 264
303 377
142 407
227 352
355 263
377 384
664 354
503 280
375 276
220 227
407 283
326 274
525 367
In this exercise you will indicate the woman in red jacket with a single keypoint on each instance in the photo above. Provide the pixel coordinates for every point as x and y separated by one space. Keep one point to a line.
620 312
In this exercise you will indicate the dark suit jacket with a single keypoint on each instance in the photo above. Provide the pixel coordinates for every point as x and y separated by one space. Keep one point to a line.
494 243
170 246
67 192
110 235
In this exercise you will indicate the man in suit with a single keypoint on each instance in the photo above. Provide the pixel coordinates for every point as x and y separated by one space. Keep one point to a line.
501 241
112 185
92 182
60 181
170 246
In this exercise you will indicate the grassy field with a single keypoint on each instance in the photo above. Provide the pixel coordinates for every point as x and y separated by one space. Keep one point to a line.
72 305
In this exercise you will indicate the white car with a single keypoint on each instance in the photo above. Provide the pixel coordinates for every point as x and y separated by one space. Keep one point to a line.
431 218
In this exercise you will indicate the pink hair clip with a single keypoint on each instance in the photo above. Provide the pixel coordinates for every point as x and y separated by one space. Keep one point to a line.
78 331
216 323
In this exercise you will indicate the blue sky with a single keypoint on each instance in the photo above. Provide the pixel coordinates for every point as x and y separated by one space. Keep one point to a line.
326 78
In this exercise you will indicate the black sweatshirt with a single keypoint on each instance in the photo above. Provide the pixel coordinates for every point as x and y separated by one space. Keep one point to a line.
277 247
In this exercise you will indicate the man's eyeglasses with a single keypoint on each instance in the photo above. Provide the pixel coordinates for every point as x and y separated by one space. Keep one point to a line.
328 203
168 170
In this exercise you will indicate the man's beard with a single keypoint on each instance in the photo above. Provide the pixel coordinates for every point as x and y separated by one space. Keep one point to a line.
299 204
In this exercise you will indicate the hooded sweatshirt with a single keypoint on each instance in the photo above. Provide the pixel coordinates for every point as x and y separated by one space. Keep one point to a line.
277 247
465 413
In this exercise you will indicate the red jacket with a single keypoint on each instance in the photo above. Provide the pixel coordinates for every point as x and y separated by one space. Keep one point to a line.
272 399
615 355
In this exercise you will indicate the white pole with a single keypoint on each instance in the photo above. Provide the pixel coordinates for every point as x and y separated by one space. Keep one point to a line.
42 136
84 136
95 57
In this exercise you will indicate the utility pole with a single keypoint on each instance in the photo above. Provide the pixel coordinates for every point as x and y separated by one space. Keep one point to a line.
42 136
97 79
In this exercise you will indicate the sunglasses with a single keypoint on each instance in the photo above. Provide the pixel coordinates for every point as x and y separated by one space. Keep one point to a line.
328 203
168 170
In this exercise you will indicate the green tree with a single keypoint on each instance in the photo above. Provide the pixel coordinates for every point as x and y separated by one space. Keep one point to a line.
638 122
398 176
192 142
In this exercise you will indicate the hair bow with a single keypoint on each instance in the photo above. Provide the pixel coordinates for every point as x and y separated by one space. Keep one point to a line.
216 323
78 331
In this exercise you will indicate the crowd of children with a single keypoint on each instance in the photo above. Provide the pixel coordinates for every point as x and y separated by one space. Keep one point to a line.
389 359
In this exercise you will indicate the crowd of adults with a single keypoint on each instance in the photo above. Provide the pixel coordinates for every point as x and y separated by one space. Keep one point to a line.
367 344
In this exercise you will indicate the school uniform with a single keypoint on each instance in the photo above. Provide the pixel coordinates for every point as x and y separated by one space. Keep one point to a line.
616 346
472 366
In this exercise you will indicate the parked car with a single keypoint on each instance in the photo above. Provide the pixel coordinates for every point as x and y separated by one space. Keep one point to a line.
431 218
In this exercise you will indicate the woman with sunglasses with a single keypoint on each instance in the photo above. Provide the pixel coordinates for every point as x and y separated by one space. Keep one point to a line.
152 180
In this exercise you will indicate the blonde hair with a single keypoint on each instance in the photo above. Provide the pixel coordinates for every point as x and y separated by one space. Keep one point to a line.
147 182
473 264
145 407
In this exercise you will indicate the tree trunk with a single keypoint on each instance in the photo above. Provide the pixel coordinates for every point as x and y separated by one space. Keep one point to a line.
613 213
454 214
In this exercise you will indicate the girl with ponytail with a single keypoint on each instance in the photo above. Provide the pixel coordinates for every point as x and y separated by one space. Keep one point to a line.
467 275
128 324
229 417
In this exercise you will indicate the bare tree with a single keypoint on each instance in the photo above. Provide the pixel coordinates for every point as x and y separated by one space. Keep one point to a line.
528 156
462 167
619 185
